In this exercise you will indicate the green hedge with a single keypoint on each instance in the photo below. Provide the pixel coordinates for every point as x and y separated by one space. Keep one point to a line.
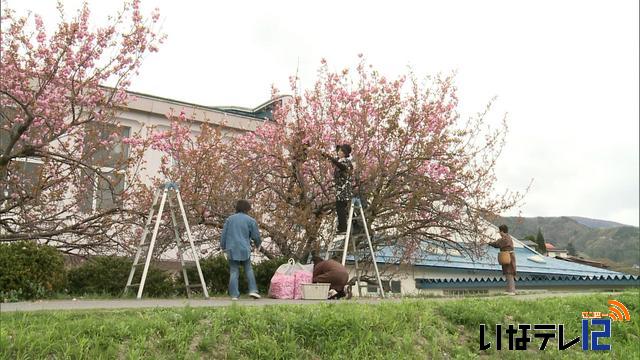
109 274
215 270
30 271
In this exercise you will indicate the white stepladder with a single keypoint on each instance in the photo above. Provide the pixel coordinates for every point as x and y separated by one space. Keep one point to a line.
356 204
146 247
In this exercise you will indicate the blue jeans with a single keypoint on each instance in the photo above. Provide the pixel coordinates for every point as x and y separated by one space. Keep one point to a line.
234 272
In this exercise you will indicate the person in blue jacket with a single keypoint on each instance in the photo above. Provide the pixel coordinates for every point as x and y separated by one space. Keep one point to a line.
238 231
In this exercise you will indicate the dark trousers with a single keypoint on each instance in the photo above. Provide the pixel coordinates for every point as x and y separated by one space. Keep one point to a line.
342 210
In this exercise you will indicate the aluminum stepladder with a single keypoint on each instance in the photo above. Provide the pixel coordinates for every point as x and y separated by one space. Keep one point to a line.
146 246
356 203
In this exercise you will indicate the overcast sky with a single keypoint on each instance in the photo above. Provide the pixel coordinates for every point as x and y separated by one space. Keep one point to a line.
565 72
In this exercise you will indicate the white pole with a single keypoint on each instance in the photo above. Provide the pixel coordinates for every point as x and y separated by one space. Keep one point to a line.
373 255
151 245
145 232
193 250
348 234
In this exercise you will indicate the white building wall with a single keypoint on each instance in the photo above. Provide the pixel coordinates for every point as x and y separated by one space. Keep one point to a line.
144 112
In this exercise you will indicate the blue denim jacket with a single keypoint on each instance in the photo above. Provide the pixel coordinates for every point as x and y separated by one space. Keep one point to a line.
238 231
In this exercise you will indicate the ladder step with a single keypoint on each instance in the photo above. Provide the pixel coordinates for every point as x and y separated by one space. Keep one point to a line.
133 285
195 286
337 242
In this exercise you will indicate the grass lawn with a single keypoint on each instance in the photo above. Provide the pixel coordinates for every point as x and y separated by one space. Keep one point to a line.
411 329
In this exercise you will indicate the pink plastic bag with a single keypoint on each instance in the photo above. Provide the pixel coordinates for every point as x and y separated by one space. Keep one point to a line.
287 281
299 278
282 286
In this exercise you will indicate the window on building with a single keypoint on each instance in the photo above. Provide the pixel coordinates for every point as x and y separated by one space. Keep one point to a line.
29 171
104 189
6 113
396 286
106 156
393 286
108 190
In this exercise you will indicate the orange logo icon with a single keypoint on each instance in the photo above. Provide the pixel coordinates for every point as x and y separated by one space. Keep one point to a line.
618 312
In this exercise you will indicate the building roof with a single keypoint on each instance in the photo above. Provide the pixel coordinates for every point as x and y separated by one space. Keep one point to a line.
580 260
530 281
534 271
263 111
549 246
528 261
230 117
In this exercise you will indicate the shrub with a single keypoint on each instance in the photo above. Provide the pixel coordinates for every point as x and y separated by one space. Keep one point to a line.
215 270
109 275
30 271
159 283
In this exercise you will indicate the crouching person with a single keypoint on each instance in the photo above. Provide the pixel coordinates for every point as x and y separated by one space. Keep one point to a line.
332 272
238 231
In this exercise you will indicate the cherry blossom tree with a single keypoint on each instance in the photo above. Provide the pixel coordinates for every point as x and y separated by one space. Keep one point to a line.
207 181
60 141
425 174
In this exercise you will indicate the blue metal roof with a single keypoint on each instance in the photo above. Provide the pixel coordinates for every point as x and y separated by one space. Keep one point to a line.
531 281
488 262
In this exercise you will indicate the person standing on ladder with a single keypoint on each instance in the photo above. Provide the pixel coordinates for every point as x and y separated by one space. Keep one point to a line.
238 231
342 173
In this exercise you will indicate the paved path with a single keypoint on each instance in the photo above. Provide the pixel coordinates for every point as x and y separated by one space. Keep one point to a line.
216 302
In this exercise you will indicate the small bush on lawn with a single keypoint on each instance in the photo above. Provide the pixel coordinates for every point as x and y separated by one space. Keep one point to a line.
109 275
30 271
215 270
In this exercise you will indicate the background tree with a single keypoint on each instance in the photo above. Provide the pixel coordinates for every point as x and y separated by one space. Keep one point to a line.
426 174
571 249
60 141
532 238
542 247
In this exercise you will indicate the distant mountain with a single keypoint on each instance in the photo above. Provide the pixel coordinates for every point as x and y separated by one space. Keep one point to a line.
596 223
619 244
